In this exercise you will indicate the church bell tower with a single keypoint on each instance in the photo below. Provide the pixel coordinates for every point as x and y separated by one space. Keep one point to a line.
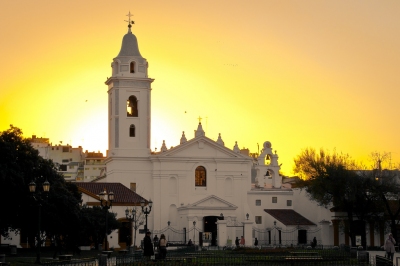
129 98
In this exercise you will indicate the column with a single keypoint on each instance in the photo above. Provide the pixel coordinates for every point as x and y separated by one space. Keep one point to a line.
371 233
346 232
222 233
248 232
325 239
335 232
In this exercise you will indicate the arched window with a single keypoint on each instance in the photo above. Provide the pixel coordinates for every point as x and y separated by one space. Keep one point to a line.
200 176
132 131
131 107
132 67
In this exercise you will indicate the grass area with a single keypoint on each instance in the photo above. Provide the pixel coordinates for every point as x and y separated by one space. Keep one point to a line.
212 257
28 256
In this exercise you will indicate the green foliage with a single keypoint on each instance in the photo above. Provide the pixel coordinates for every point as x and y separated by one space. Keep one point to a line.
332 180
61 214
93 225
21 164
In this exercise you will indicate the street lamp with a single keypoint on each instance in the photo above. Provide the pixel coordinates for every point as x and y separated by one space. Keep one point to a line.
37 195
130 216
194 234
168 229
106 204
146 210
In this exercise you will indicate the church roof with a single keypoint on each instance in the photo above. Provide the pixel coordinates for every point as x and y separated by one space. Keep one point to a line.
288 217
129 45
200 141
122 194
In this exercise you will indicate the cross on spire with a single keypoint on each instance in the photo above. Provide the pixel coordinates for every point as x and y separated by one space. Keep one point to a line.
129 21
199 119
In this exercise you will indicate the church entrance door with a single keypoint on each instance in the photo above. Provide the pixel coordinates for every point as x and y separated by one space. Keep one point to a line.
210 230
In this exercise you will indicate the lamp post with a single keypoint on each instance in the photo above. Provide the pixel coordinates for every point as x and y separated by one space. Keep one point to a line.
130 215
37 195
168 230
106 204
146 210
194 234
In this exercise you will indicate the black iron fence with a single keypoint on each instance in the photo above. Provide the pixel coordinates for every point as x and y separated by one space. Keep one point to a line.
248 256
81 262
296 236
194 255
178 237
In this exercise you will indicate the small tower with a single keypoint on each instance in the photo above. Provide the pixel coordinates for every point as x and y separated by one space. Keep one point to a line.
268 168
129 95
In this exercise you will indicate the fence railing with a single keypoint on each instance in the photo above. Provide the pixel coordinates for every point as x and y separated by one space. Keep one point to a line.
81 262
241 256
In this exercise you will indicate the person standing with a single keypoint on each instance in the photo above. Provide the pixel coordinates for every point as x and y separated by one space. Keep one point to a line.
155 241
147 246
256 242
389 246
237 242
163 247
242 241
314 242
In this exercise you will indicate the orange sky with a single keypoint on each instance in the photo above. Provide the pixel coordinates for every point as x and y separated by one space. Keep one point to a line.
298 73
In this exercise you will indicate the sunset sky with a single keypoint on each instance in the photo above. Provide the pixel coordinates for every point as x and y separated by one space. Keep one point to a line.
300 73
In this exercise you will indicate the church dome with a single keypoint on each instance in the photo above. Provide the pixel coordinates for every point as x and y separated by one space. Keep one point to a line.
129 45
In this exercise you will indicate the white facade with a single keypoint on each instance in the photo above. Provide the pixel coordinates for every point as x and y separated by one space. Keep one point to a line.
196 180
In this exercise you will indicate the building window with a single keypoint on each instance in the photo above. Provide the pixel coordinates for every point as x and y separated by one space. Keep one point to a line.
132 107
274 199
289 203
201 177
132 67
132 131
258 219
133 187
258 202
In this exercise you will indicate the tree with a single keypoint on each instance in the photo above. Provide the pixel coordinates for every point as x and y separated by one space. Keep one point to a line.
92 225
137 221
332 181
21 164
386 188
62 215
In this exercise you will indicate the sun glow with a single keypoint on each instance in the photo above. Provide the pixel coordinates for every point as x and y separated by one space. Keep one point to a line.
299 74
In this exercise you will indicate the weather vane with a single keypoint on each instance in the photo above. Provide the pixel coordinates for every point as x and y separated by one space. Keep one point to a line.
199 119
129 21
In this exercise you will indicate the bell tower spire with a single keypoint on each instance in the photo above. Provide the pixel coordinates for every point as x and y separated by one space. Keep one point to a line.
129 100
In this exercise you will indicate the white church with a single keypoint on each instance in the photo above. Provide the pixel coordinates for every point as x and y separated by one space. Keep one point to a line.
200 181
201 189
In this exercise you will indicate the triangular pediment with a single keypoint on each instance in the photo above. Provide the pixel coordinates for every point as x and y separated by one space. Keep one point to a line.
201 147
211 203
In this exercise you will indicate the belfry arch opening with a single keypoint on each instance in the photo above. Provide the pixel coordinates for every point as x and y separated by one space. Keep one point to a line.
132 131
132 67
132 107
